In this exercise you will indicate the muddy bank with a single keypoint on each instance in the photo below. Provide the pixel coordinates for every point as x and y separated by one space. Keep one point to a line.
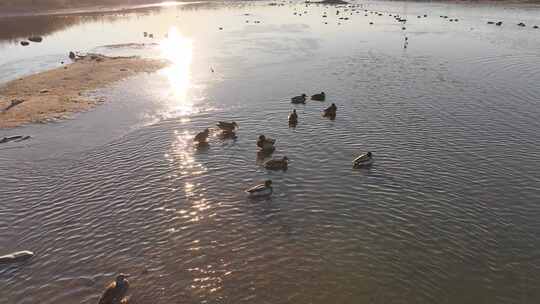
57 93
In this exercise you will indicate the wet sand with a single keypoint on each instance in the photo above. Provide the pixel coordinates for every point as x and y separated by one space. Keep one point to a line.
57 93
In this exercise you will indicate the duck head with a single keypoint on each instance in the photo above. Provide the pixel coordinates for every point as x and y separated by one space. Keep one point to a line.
121 280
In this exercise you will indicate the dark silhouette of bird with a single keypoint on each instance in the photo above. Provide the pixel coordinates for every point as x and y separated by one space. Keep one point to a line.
116 291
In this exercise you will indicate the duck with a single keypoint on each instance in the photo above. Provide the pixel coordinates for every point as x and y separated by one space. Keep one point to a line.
293 118
227 126
330 111
363 160
261 189
14 257
202 137
277 164
116 291
266 144
319 97
299 99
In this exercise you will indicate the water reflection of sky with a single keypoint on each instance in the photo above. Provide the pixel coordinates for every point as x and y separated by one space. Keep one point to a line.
179 51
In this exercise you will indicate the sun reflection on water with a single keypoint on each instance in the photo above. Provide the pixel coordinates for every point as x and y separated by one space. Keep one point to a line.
179 51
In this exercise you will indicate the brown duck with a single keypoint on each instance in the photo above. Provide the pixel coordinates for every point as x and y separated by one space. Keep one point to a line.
116 291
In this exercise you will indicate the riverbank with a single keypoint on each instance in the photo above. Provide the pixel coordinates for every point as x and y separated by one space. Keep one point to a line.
58 93
22 10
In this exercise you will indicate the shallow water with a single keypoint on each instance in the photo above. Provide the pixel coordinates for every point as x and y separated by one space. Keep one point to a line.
448 212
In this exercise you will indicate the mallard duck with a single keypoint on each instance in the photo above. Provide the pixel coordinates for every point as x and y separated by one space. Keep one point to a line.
202 136
277 164
319 97
299 99
227 126
116 291
266 144
331 110
261 190
363 160
18 256
293 118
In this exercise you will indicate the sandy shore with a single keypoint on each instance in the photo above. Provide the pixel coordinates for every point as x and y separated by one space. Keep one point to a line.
57 93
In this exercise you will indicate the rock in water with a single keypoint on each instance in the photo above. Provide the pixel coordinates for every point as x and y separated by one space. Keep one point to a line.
14 257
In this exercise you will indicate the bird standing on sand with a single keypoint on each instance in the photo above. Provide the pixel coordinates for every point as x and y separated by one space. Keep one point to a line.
116 291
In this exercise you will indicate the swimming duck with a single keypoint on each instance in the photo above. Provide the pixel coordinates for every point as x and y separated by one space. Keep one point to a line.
266 144
299 99
18 256
261 190
319 97
227 126
202 136
363 160
331 110
116 291
293 118
277 164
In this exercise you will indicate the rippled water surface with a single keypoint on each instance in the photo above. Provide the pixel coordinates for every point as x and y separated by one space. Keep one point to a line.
448 213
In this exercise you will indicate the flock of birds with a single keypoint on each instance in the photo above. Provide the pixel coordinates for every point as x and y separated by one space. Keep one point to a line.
117 290
266 145
353 9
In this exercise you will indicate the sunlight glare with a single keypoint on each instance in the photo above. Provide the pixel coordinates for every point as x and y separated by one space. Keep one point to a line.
179 51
